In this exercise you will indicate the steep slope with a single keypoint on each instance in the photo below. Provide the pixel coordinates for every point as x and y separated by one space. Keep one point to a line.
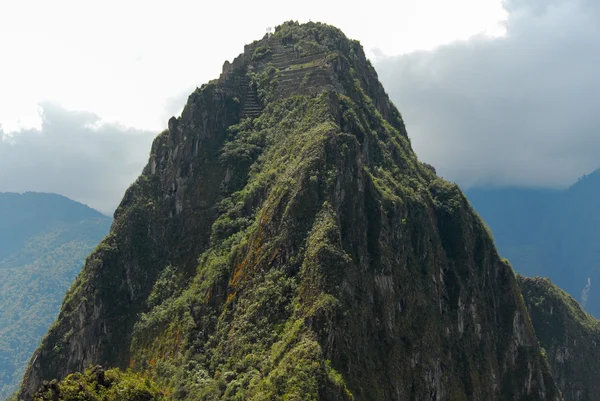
96 384
570 337
44 239
549 233
283 242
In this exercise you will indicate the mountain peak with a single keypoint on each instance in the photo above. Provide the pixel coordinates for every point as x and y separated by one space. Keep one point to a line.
284 242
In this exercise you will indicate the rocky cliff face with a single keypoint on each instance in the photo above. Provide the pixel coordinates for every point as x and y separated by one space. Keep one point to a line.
284 242
569 336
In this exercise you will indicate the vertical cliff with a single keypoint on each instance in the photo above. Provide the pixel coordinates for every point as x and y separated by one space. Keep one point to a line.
570 338
284 242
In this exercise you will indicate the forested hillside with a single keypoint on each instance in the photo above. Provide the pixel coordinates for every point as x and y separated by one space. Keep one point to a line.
549 233
44 239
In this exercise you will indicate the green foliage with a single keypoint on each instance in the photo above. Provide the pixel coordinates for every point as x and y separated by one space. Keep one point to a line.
261 52
292 130
567 335
311 38
95 384
264 83
322 272
36 270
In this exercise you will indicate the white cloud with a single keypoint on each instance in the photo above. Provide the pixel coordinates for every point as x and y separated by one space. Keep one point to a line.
133 64
74 154
516 110
124 59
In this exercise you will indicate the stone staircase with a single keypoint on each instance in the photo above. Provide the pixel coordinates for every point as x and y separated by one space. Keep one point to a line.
291 80
298 73
239 85
251 108
282 56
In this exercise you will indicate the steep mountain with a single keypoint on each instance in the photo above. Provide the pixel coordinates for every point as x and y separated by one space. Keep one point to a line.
569 336
44 239
283 242
549 233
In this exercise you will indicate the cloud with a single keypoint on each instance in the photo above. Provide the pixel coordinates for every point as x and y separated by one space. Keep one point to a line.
521 109
74 154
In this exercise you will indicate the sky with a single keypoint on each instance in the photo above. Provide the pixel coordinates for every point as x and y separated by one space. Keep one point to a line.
518 110
85 86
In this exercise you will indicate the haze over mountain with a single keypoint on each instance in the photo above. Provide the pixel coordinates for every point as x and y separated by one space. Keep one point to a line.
549 233
44 239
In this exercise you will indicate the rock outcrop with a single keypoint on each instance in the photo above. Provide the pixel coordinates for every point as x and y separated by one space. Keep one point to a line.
284 242
569 336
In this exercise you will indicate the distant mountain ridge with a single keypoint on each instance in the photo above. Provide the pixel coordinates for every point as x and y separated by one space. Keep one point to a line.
44 239
25 215
550 233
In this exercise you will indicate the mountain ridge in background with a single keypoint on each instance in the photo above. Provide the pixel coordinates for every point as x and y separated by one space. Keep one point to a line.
44 239
553 233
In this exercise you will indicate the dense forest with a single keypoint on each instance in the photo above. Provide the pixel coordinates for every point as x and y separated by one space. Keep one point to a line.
44 239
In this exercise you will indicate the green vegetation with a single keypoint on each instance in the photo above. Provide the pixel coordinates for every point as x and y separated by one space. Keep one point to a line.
95 384
309 39
47 238
261 52
304 254
568 335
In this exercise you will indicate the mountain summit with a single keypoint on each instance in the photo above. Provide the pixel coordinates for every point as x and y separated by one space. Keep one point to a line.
284 242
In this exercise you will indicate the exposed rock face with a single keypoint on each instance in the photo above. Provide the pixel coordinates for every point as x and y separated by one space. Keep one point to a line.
570 337
285 243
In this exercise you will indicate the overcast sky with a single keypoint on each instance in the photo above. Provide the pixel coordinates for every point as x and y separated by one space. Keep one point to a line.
492 93
523 109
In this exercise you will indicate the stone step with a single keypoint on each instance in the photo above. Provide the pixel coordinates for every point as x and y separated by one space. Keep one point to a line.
284 62
308 59
289 74
297 83
282 54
